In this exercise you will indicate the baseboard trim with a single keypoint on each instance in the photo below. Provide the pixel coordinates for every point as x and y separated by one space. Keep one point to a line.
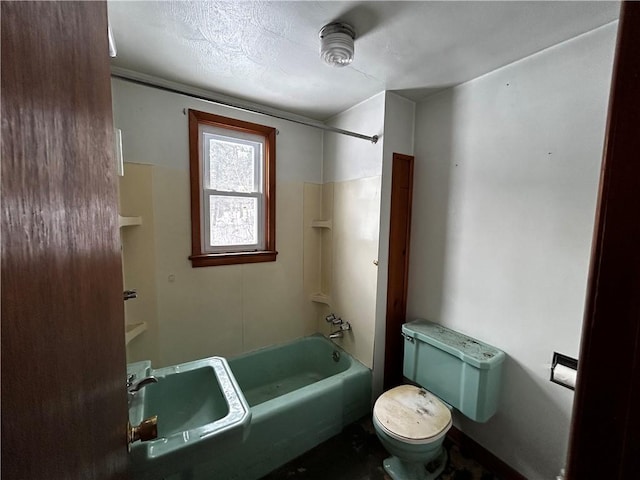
470 447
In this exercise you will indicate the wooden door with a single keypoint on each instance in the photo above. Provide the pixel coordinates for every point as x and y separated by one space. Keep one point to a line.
605 436
64 406
399 236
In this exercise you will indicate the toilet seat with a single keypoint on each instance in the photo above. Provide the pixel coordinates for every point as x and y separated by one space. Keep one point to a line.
412 415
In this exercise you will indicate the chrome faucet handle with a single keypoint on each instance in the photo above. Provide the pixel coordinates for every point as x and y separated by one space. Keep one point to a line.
345 326
342 327
130 379
331 318
129 294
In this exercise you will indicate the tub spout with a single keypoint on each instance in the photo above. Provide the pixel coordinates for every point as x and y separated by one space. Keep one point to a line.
340 332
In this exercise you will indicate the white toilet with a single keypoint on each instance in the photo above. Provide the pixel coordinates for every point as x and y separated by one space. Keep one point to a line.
411 422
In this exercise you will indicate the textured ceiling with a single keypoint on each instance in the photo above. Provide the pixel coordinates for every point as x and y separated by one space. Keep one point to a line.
267 51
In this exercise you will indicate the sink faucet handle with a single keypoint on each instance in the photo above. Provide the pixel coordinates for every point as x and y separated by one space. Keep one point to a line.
147 430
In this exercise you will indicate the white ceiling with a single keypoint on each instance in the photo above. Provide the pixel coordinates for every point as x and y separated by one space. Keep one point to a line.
267 51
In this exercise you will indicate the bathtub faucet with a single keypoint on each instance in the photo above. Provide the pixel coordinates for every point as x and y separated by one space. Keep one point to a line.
331 318
342 327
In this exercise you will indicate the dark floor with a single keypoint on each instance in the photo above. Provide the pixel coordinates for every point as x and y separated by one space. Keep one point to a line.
356 454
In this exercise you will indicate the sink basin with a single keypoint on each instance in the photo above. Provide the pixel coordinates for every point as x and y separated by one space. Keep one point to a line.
185 401
197 403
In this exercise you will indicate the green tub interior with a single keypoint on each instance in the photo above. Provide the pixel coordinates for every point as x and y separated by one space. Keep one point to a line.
273 372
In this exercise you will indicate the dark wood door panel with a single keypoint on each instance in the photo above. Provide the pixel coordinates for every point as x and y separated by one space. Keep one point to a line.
63 360
399 236
607 403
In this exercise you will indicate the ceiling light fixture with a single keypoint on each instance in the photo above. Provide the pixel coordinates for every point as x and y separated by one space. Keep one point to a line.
336 44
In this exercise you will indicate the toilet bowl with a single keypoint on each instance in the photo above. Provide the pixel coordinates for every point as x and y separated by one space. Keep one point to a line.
411 424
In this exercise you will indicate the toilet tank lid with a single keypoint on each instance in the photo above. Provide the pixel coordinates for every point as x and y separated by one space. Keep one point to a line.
467 349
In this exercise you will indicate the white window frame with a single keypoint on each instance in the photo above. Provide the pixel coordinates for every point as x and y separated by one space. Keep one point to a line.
206 133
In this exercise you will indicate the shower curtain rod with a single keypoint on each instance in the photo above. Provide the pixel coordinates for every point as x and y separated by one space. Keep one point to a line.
201 94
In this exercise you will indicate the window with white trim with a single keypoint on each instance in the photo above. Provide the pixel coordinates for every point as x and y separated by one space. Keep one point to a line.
232 166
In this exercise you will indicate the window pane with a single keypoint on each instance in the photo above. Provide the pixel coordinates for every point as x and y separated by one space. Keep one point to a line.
232 166
233 220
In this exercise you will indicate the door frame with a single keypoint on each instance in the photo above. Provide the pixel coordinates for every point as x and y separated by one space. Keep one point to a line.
605 430
398 266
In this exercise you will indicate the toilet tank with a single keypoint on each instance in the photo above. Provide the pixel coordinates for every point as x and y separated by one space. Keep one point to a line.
460 370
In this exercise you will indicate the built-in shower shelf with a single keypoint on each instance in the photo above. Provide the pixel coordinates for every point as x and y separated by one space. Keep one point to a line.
128 221
321 224
321 298
132 330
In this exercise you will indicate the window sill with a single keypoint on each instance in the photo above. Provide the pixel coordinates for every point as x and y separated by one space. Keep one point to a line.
235 258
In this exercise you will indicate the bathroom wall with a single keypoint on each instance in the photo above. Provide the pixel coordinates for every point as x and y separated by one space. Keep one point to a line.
139 258
352 172
399 120
506 178
221 310
357 196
